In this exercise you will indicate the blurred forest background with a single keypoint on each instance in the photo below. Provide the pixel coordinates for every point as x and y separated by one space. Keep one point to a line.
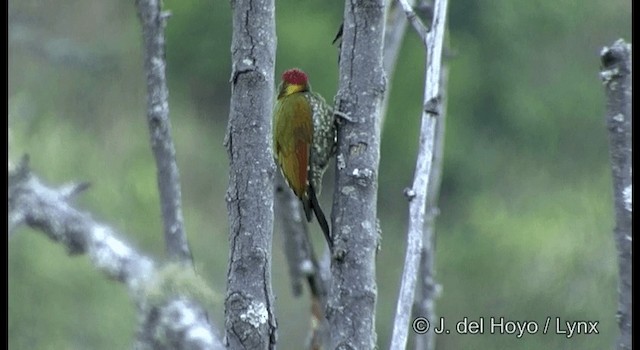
525 230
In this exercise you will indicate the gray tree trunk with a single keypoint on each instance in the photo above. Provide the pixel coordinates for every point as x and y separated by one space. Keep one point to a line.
249 317
352 299
616 77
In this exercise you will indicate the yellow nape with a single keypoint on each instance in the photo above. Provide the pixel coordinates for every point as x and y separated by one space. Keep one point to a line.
290 89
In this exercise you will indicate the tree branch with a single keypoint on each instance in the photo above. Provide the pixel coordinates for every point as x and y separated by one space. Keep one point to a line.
352 300
249 316
415 21
303 265
297 248
28 34
181 322
393 36
616 77
153 23
178 324
428 288
417 195
396 27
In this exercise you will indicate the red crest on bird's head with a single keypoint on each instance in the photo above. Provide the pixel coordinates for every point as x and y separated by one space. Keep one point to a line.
294 76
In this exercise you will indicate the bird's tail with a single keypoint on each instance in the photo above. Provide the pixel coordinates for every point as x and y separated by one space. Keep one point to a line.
313 204
306 205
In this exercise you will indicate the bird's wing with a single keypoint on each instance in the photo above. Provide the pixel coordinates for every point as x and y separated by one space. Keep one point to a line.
293 133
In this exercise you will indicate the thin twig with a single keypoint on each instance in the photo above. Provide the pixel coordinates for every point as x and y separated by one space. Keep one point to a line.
415 21
432 110
153 22
616 77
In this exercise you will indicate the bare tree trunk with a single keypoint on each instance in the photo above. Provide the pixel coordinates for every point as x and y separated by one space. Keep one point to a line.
352 299
616 76
250 320
153 23
432 107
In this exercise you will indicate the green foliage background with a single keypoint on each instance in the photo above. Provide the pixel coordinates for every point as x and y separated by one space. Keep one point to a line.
525 230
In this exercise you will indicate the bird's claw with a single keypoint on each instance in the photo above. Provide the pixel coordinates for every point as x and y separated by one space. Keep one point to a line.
344 116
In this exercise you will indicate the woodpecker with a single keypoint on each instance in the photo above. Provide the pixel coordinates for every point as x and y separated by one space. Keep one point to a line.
304 140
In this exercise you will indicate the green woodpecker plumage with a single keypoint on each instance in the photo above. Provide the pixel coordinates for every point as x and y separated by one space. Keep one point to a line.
304 140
